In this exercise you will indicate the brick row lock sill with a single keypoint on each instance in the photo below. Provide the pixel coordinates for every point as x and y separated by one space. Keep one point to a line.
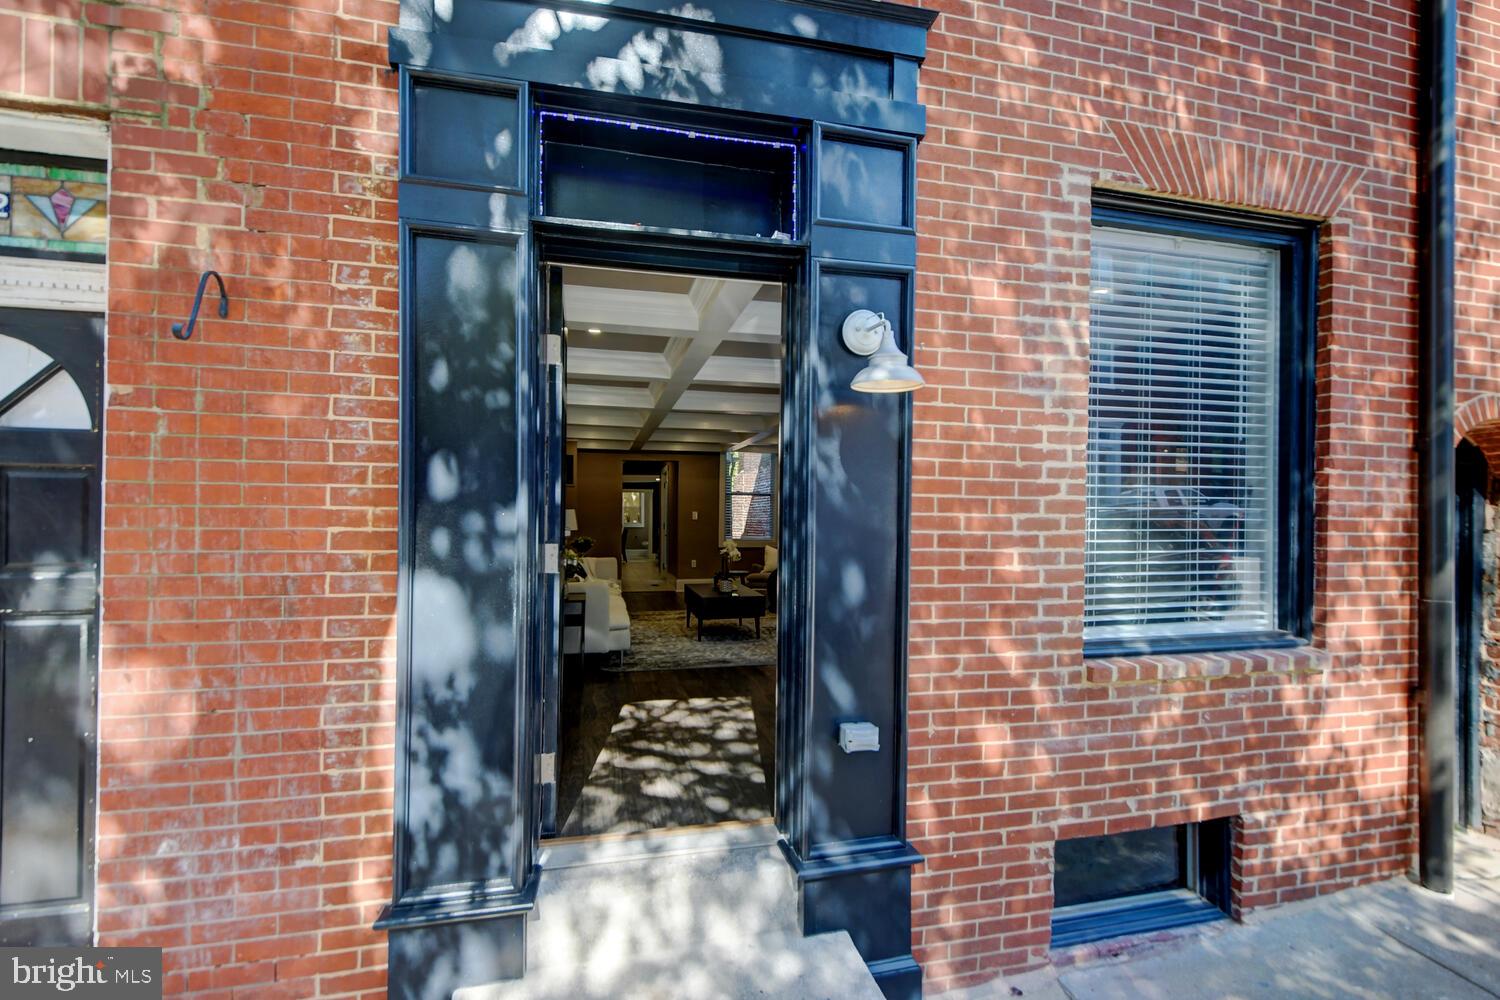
1169 668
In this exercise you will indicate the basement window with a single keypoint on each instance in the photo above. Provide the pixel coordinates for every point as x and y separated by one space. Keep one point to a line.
1140 881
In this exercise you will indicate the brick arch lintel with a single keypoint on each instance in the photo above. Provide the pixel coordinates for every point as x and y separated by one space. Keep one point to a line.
1204 168
1478 422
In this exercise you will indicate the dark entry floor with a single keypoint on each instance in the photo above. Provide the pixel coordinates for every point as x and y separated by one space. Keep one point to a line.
656 749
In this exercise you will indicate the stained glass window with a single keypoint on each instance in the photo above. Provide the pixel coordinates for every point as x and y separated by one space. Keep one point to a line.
52 207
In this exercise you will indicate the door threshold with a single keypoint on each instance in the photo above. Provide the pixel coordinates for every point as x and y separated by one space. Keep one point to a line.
607 848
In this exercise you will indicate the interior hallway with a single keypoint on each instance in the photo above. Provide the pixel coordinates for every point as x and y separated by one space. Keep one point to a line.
643 576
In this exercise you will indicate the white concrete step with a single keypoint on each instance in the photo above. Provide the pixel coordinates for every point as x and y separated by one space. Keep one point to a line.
823 967
714 905
698 917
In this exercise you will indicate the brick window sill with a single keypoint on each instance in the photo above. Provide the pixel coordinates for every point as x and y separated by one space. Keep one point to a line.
1172 668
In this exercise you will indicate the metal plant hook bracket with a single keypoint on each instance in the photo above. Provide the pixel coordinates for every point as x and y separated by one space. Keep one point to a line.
184 332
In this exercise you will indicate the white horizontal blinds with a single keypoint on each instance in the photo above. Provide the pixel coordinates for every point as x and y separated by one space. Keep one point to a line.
749 494
1181 535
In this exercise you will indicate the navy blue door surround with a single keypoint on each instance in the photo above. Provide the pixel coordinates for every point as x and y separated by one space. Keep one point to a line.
815 102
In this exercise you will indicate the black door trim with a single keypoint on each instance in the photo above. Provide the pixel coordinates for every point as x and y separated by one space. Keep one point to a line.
1472 483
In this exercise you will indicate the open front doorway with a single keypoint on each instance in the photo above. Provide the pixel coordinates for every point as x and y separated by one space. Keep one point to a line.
666 673
807 192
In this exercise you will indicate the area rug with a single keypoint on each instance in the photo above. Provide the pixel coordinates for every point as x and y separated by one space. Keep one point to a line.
660 640
674 762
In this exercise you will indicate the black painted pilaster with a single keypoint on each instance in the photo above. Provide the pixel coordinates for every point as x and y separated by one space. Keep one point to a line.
464 875
846 828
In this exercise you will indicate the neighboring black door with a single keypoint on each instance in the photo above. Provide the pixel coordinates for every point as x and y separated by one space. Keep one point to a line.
49 565
1468 576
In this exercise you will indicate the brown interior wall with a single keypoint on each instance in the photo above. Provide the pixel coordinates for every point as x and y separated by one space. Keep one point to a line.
595 495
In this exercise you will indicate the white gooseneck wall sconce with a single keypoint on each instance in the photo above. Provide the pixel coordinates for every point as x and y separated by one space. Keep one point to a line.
870 335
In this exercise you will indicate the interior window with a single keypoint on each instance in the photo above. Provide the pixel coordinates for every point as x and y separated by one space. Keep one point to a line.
749 495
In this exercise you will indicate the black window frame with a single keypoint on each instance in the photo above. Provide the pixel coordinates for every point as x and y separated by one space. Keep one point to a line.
1296 242
1204 893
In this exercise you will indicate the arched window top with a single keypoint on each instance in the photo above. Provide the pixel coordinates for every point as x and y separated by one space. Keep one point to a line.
36 393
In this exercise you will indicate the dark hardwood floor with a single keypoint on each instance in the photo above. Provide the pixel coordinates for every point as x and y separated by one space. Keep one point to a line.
651 749
653 601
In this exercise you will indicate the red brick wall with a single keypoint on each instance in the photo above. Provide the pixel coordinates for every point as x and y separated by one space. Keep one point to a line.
1478 305
250 479
1016 740
52 57
250 499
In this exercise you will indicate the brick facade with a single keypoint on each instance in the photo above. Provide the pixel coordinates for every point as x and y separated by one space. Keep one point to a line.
250 483
1018 740
250 540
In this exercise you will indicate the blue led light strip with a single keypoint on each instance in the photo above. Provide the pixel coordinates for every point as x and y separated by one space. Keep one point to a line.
572 116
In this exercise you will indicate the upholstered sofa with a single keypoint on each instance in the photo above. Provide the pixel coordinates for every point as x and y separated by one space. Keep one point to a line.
606 622
763 577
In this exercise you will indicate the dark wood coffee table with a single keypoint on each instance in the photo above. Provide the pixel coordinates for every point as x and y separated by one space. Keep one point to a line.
705 602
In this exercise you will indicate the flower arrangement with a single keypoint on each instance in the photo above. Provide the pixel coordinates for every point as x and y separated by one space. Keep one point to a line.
573 552
728 553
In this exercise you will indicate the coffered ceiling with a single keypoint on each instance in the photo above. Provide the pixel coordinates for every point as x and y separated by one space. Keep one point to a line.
668 362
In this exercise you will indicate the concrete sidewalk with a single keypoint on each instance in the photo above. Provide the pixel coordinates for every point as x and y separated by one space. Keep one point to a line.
1389 940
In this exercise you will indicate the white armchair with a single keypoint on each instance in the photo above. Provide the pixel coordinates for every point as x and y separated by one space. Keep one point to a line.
606 622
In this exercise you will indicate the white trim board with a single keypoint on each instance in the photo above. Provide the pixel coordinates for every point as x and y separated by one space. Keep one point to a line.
75 286
27 283
53 135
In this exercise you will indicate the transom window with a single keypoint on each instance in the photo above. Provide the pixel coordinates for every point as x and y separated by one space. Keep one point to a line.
1195 493
35 392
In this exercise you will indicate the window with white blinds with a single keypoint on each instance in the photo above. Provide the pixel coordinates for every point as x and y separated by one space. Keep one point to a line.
1182 448
750 495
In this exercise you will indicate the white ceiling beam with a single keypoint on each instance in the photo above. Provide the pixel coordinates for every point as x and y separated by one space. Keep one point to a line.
707 437
587 306
751 441
654 445
742 422
760 320
657 314
602 417
653 331
615 396
586 445
600 363
719 305
605 441
705 401
742 371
